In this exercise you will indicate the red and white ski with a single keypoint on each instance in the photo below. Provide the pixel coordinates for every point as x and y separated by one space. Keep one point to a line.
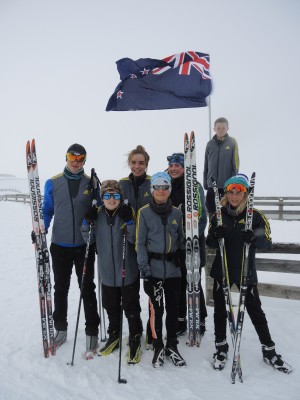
41 250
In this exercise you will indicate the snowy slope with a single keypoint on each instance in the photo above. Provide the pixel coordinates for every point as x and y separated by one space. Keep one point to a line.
25 374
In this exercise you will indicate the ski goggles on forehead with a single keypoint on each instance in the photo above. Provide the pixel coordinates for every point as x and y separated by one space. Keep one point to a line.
237 187
176 159
107 196
76 157
161 187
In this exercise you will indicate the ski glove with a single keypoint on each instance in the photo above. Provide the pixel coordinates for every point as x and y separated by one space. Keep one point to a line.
248 236
145 272
33 236
220 232
125 212
91 214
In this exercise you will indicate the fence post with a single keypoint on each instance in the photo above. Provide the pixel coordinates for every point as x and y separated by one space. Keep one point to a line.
280 208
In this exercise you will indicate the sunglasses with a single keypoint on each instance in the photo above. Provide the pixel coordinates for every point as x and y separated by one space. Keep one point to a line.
74 157
161 187
236 186
107 196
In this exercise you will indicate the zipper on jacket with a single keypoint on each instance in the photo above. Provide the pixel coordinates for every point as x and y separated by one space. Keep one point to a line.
165 268
112 253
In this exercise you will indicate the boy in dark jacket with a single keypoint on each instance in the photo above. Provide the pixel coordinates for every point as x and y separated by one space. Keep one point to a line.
221 161
114 222
159 237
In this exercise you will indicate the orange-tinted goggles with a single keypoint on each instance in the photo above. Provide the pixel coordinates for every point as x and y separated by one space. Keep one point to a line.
236 186
74 157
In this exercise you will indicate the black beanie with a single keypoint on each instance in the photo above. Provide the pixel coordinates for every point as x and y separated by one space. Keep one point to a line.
76 149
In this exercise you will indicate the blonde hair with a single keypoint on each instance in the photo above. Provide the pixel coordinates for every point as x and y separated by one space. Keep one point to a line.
224 202
138 150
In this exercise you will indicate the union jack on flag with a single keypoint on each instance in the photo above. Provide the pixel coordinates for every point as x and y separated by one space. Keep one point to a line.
186 61
178 81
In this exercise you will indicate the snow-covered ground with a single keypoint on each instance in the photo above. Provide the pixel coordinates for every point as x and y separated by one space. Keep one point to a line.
26 374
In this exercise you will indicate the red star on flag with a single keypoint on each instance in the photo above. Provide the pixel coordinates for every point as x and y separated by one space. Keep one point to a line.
145 71
119 94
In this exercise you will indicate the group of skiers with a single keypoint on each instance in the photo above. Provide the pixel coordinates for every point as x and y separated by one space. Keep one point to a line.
138 233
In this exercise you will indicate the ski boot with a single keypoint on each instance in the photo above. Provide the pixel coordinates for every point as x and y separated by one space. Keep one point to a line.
173 353
111 345
159 354
270 357
91 347
60 338
135 351
220 356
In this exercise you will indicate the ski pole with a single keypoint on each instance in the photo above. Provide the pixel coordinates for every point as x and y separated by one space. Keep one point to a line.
95 186
120 380
81 288
103 337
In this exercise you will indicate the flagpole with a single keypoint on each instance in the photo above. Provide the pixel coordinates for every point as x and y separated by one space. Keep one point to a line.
209 116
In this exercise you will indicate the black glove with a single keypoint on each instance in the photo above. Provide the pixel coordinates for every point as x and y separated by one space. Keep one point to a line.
182 208
248 236
33 237
91 214
220 232
125 212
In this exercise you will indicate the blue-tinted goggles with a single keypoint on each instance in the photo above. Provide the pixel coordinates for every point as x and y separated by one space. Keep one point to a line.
107 196
161 187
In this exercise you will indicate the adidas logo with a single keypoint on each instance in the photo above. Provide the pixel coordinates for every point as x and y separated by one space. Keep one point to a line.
242 221
227 147
146 194
174 222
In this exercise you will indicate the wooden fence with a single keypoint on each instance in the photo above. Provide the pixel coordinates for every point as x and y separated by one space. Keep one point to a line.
284 208
268 265
24 198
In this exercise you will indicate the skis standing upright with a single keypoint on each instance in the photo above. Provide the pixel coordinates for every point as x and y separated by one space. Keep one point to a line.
225 283
41 249
192 240
243 287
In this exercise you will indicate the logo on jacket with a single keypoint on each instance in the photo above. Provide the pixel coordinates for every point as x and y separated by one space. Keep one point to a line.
227 147
174 222
146 194
242 221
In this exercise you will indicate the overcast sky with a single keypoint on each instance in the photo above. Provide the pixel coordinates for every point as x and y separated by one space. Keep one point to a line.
57 72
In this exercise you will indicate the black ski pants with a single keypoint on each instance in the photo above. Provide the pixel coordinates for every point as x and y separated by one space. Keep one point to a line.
253 306
157 290
63 259
113 298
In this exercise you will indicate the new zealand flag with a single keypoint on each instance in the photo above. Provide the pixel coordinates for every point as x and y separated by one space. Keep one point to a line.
178 81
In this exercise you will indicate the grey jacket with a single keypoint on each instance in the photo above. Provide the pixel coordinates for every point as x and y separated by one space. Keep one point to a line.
109 235
144 194
221 161
154 237
68 211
